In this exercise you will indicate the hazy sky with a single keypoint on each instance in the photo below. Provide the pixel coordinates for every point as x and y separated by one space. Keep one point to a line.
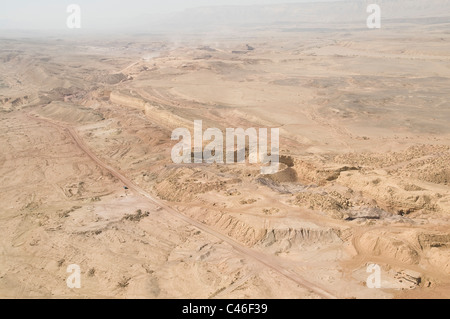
102 14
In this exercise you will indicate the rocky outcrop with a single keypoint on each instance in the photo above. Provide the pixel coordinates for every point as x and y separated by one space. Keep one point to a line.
290 238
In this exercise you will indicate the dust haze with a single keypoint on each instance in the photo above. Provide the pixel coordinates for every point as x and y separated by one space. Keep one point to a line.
87 178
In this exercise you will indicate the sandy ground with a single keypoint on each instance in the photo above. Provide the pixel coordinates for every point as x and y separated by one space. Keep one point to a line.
365 147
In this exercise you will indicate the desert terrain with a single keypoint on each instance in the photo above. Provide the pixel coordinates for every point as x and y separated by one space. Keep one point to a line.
87 176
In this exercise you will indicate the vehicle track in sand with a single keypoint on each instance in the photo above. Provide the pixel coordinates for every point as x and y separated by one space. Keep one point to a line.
266 260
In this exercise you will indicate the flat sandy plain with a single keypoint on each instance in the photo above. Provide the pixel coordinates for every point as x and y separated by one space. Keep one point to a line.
365 144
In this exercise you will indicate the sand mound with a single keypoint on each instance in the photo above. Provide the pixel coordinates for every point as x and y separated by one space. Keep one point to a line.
385 245
183 184
285 175
308 172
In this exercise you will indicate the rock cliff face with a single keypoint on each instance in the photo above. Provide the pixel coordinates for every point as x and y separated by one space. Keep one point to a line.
301 238
165 117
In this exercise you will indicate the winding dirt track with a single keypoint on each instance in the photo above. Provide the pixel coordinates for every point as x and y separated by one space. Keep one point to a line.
266 260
